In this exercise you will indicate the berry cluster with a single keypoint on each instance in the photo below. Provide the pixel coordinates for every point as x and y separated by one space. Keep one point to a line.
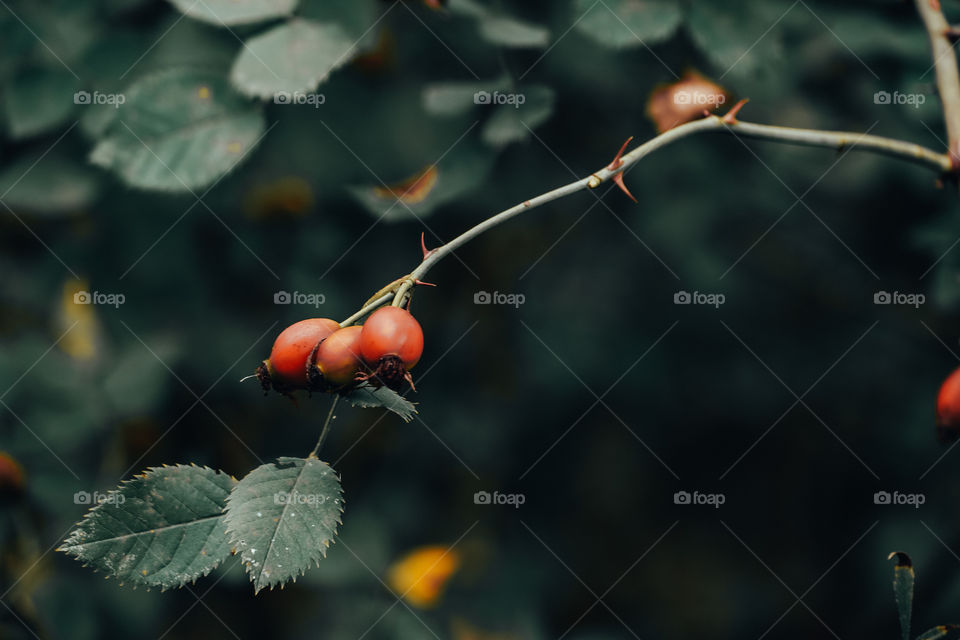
318 354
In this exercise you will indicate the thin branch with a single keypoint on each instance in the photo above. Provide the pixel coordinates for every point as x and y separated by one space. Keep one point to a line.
945 64
839 140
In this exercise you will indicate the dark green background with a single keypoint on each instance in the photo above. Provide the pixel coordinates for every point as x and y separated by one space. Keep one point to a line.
497 385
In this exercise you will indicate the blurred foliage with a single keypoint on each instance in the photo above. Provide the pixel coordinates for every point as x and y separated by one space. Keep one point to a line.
197 204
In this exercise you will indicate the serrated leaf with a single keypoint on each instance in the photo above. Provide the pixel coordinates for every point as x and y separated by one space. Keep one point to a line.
510 32
162 529
282 517
368 397
513 123
628 23
230 12
293 57
940 632
903 579
179 130
38 101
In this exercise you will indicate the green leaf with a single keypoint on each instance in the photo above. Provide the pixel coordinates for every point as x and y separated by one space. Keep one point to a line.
736 41
53 185
455 98
230 12
368 397
628 23
296 56
513 123
282 517
939 632
162 529
903 579
179 130
38 101
509 32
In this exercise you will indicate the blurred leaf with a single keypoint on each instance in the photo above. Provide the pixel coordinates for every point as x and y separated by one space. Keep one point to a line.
461 170
940 632
178 130
514 123
903 579
231 12
37 101
509 32
77 319
164 528
295 56
282 517
52 185
628 23
369 397
455 98
736 41
421 576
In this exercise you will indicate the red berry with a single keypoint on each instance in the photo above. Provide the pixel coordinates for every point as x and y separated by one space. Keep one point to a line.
338 357
948 408
286 368
391 343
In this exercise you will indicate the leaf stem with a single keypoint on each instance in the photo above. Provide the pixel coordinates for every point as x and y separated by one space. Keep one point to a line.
326 427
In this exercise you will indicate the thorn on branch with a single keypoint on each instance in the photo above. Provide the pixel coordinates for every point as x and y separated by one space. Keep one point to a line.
618 180
952 33
618 159
731 117
423 246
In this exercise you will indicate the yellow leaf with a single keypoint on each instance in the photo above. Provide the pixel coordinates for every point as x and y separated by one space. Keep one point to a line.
421 576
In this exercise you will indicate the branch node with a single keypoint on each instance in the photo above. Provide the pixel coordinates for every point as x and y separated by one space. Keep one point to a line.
594 181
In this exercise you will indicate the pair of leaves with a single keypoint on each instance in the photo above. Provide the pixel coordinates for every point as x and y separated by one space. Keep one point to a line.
172 525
